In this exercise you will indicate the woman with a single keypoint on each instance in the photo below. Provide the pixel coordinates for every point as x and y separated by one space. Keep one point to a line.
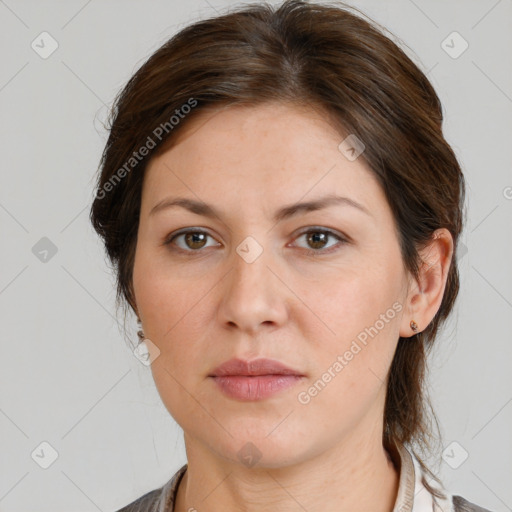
282 211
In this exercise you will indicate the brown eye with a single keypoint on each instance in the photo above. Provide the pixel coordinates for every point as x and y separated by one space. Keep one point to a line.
195 240
189 241
318 239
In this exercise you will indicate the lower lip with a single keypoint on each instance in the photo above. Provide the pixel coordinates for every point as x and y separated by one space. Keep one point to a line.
242 387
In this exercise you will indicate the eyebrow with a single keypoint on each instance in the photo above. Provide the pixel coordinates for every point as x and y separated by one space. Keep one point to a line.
207 210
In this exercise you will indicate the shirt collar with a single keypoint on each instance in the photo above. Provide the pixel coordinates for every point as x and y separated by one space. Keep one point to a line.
412 496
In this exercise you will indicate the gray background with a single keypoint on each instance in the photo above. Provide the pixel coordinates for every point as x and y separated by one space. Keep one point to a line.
67 376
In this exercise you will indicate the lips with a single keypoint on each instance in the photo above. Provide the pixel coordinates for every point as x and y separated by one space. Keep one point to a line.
262 366
254 380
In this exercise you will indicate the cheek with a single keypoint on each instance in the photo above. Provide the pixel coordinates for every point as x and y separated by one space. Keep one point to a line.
359 317
339 306
173 318
175 391
161 300
351 370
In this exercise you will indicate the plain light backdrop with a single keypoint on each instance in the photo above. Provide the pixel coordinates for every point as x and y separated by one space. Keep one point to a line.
67 377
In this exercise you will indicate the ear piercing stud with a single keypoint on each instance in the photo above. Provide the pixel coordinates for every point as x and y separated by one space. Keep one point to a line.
140 332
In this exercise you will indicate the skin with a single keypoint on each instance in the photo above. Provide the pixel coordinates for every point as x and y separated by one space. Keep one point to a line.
207 305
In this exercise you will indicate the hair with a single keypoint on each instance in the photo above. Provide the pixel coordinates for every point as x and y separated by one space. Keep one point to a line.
311 55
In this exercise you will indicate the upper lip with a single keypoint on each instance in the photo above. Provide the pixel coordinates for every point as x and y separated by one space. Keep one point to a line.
260 366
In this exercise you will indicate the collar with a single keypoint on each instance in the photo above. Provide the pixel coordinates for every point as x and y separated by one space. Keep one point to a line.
412 496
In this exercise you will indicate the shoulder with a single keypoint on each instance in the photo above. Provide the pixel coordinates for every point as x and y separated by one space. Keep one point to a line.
146 503
462 505
415 478
158 499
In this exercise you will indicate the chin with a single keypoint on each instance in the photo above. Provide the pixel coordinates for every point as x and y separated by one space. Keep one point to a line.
259 450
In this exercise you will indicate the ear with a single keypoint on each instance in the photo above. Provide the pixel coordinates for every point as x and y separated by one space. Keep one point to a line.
425 294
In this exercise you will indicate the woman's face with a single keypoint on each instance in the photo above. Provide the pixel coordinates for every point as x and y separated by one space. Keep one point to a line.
249 285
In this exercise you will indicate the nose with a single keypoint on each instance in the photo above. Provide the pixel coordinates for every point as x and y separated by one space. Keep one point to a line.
252 294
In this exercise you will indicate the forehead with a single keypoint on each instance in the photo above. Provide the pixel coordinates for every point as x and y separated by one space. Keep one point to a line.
266 153
264 125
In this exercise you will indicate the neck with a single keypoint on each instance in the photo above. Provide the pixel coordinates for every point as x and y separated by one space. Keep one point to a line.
354 475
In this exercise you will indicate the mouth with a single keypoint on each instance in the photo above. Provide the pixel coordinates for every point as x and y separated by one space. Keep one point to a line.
258 367
254 380
254 387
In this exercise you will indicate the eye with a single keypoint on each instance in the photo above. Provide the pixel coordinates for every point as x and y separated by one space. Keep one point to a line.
192 240
318 239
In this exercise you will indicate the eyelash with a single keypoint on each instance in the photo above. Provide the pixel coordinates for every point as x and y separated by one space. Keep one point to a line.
308 252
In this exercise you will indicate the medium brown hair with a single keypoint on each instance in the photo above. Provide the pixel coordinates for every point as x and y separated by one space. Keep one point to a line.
315 55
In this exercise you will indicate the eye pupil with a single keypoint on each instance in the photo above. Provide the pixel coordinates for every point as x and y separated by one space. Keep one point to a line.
194 238
317 237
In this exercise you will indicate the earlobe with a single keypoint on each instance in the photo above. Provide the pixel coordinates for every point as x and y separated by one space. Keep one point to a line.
426 293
